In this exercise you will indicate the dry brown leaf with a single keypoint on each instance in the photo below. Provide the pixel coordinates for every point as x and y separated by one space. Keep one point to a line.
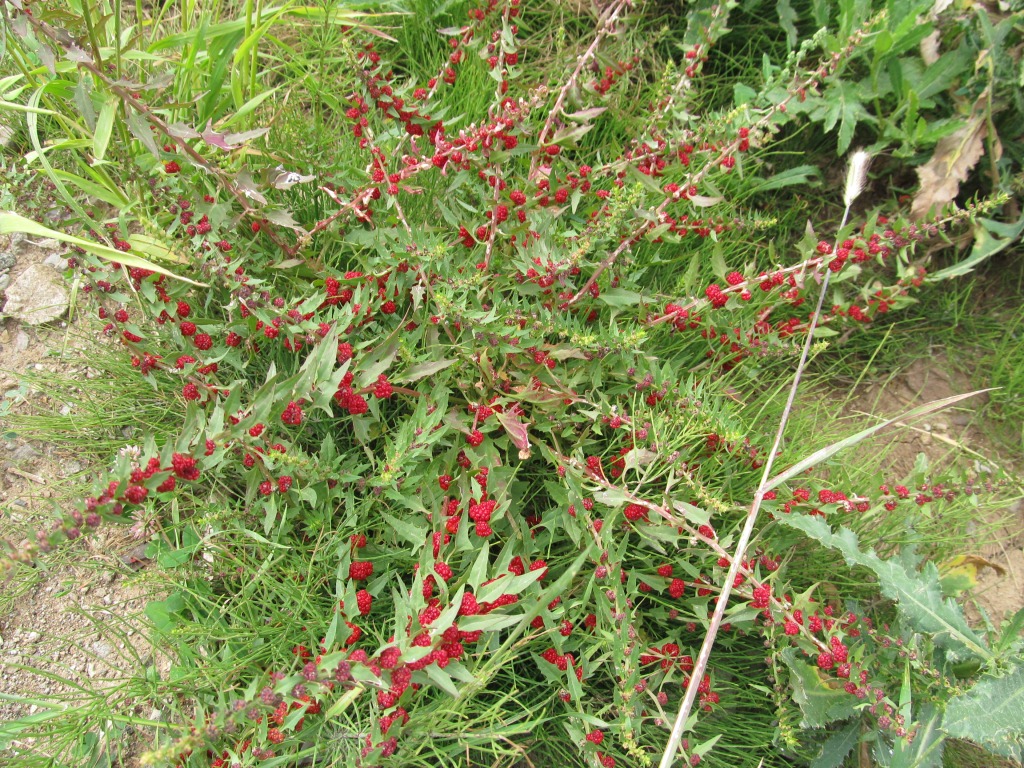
954 158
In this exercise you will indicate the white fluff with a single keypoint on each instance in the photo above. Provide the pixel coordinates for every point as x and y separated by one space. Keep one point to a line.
856 176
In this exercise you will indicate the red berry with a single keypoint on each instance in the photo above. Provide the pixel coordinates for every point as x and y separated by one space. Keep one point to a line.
364 600
292 414
443 570
475 438
360 571
382 389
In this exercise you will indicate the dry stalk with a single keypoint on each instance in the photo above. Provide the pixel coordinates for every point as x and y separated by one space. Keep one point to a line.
854 184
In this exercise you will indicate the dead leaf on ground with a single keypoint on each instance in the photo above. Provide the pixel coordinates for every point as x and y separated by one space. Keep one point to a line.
954 158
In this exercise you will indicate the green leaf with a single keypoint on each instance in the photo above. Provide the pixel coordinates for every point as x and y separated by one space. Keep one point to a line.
990 237
742 94
140 129
104 126
111 196
918 595
413 534
12 222
802 174
787 20
842 106
834 751
442 680
343 703
489 623
925 751
619 297
991 714
507 584
819 704
422 370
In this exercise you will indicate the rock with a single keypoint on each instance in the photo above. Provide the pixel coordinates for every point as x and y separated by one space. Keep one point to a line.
5 280
6 134
32 637
102 649
7 260
24 452
21 341
57 261
37 296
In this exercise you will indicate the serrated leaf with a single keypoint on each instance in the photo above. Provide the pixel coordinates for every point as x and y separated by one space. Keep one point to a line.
376 363
819 704
991 714
842 106
787 20
182 131
834 751
586 114
412 533
140 130
990 237
229 141
283 219
507 584
695 515
918 596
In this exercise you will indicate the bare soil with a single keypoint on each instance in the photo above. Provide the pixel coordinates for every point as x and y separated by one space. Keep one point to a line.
999 551
69 626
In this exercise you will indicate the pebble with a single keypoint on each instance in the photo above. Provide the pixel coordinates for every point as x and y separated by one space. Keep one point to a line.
24 452
32 637
37 296
56 261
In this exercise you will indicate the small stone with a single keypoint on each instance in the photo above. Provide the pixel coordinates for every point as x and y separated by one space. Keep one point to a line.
32 637
24 452
37 296
7 261
56 261
21 341
5 280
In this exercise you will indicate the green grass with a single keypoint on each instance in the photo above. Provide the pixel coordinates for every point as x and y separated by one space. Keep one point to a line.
230 603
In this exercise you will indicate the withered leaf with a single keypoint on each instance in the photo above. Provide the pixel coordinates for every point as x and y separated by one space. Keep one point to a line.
954 158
